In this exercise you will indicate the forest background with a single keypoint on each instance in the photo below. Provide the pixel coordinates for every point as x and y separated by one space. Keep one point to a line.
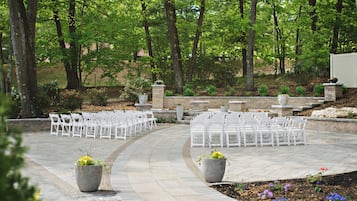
180 42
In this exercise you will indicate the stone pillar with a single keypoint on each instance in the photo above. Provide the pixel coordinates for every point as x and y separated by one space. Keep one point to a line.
332 91
158 95
283 110
238 106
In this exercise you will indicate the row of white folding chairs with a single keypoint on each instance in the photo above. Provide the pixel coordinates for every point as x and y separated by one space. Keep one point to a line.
105 124
253 128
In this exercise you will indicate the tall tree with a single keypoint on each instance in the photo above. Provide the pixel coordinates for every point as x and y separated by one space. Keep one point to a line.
177 66
250 56
336 27
313 15
22 23
69 57
193 58
148 38
243 39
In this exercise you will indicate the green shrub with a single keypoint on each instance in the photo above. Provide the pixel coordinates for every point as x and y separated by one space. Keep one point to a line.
263 90
71 100
318 90
188 90
15 103
230 91
284 90
344 89
51 90
169 93
300 90
134 87
13 185
211 90
97 97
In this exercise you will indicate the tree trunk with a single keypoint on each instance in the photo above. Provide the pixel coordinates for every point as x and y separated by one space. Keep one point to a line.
69 56
9 67
336 27
73 80
250 64
148 39
174 45
313 15
193 59
22 24
298 48
2 72
243 40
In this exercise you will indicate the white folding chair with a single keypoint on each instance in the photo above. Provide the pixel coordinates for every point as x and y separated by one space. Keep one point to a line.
77 125
56 124
248 128
90 124
297 130
197 133
231 130
280 128
265 131
151 119
66 124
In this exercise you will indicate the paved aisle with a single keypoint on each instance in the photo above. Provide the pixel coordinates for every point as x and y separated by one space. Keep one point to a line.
154 168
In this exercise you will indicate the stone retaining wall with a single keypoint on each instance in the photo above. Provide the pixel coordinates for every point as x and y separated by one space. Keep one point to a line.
332 124
255 102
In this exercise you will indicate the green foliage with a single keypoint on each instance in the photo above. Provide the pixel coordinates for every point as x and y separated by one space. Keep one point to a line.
169 93
300 90
230 91
13 186
344 89
263 90
71 100
15 103
188 90
97 97
48 95
284 89
318 90
211 90
134 87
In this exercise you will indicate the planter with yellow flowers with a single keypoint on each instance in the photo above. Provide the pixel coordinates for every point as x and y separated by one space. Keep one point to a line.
213 167
88 173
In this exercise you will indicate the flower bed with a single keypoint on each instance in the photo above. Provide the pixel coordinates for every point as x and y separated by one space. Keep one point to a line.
332 187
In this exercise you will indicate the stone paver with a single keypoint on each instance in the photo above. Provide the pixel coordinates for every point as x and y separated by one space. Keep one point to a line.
161 166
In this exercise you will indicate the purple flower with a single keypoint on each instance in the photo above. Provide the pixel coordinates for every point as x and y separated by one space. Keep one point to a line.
286 187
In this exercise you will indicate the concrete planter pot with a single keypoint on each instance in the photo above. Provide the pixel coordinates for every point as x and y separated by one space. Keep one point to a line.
88 177
143 98
179 112
283 99
213 169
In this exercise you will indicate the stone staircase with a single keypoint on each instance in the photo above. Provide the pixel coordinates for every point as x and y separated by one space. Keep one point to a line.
319 101
188 115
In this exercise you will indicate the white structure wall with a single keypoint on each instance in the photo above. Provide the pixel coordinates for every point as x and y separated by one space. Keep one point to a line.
344 67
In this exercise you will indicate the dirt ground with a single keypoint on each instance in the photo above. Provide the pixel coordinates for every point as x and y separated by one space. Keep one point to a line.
344 185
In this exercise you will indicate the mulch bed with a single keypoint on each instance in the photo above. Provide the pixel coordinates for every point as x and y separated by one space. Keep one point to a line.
344 185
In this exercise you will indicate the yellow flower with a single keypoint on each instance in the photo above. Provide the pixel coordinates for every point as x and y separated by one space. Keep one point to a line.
217 155
85 160
36 196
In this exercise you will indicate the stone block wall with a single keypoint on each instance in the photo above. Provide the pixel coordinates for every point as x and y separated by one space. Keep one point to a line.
255 102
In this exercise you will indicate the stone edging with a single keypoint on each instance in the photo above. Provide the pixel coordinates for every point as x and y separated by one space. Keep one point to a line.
332 124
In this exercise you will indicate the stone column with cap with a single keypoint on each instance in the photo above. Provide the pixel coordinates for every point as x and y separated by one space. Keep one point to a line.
158 94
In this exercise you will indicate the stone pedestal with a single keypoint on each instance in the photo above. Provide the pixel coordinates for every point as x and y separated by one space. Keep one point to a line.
142 107
199 105
283 110
237 106
332 91
158 93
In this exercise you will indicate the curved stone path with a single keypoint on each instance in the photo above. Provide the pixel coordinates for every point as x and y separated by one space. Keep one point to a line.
159 165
